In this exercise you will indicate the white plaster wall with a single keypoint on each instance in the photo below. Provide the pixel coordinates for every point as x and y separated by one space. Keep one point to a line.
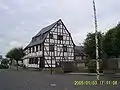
26 63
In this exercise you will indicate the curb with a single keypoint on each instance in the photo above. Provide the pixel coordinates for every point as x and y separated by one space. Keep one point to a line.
93 74
88 74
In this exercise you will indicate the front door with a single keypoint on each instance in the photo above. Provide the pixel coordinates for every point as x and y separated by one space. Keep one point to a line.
42 63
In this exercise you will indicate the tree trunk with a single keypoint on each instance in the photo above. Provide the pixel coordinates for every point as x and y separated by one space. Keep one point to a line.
10 63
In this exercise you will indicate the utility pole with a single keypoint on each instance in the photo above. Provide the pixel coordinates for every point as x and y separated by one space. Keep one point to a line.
51 64
96 40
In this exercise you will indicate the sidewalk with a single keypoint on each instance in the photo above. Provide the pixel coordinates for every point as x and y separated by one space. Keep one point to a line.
93 74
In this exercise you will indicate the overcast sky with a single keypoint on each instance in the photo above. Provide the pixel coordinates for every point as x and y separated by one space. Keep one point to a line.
20 20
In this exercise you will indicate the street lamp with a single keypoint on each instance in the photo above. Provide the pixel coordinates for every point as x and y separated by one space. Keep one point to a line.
96 40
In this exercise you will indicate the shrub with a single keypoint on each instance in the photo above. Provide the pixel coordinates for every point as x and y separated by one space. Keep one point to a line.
24 66
92 66
58 70
4 66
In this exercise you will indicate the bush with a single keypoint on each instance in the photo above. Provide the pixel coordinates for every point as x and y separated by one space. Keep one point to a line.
5 61
58 71
75 68
4 66
92 66
24 66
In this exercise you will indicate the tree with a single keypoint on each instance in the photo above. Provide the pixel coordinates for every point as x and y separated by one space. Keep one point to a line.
10 56
16 54
5 61
111 42
90 47
4 64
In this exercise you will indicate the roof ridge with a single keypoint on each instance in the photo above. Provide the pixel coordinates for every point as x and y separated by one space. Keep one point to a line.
42 32
47 28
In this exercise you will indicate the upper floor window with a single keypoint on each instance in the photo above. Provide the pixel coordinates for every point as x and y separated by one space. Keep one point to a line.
64 48
36 48
60 37
51 48
29 49
33 49
40 48
26 51
51 36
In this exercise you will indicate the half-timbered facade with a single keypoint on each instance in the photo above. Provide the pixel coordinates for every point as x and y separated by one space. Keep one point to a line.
81 58
52 46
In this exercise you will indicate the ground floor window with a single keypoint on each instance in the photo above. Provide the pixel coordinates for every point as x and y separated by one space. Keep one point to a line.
33 60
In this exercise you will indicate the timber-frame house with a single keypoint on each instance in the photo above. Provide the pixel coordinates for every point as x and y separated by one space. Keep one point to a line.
51 46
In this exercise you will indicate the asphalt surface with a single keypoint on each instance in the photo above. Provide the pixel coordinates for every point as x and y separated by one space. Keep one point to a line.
39 80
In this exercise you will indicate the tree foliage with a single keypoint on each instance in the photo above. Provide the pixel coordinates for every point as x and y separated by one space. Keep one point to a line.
5 61
111 42
90 47
16 54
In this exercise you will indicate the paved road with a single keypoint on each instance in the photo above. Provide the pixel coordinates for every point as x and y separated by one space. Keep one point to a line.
38 80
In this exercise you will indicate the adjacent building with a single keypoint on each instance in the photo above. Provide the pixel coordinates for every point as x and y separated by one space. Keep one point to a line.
0 59
81 57
52 46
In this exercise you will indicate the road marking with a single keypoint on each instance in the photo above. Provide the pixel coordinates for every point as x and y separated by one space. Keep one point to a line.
53 85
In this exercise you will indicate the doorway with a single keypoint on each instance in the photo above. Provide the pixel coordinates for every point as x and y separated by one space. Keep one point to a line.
42 63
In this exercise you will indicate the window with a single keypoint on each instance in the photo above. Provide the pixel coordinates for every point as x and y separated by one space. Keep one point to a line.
29 50
51 36
33 61
30 60
33 49
36 61
64 48
36 48
51 48
59 24
60 37
39 47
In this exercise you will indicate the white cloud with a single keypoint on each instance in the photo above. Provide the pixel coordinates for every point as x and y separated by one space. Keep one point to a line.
15 44
21 19
3 6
